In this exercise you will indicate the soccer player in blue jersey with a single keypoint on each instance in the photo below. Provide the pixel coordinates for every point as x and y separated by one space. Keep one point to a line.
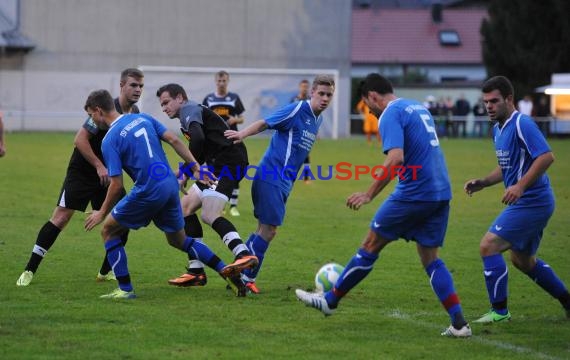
296 126
417 210
133 144
523 156
86 180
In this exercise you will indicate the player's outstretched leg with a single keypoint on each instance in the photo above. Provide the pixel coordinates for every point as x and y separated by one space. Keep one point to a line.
199 250
355 271
46 238
258 247
314 300
546 278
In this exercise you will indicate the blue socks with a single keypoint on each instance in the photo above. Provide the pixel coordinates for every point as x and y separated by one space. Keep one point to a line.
496 280
257 246
355 271
546 278
197 250
118 260
442 284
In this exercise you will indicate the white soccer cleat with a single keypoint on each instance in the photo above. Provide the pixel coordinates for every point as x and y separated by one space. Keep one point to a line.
25 279
119 295
464 332
314 300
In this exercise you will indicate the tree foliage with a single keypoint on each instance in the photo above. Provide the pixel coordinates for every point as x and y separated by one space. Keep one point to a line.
527 41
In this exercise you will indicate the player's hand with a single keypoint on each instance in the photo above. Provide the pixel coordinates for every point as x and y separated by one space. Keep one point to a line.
182 181
356 200
2 150
94 219
512 194
103 175
233 135
232 120
205 177
472 186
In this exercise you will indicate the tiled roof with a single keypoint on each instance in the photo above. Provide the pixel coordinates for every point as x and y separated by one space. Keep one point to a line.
409 36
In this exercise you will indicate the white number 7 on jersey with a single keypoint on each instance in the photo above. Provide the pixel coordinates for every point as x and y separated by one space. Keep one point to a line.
430 129
142 132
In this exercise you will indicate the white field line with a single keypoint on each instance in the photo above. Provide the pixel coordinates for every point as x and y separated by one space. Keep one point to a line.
397 314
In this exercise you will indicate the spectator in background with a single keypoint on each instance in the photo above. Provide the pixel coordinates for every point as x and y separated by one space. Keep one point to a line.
542 109
541 115
2 144
462 106
431 105
370 122
479 108
228 105
525 105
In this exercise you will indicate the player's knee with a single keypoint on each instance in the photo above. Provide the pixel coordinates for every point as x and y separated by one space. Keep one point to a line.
373 243
208 218
60 218
268 233
523 263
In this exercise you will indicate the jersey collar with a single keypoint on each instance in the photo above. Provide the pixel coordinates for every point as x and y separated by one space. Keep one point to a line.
115 121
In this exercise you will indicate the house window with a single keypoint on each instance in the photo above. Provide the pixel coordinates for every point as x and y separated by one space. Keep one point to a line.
449 38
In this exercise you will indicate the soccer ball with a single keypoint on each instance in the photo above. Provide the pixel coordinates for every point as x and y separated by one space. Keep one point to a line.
327 276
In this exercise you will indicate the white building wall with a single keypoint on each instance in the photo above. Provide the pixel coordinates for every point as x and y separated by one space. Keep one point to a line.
83 43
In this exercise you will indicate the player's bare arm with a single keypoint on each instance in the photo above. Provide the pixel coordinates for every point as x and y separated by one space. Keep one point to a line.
538 167
474 185
82 144
254 128
114 193
187 156
394 158
236 120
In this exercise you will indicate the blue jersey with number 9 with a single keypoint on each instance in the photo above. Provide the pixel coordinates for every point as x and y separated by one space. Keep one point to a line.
408 125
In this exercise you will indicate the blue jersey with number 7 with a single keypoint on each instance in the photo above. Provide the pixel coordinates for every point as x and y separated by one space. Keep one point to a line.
133 144
408 125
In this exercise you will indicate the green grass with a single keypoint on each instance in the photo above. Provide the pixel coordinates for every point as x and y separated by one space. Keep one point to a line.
393 314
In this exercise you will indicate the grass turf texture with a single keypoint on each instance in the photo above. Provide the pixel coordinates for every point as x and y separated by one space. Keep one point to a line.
393 314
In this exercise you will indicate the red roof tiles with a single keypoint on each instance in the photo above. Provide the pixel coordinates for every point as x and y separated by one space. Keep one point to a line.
409 36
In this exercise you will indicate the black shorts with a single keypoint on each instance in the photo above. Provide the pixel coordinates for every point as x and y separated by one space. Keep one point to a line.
229 172
78 190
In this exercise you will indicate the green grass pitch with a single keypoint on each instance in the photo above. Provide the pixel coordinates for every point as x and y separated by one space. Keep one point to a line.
392 314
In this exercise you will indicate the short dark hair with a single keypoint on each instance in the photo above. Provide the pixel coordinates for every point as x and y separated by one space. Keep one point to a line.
173 90
222 73
131 72
375 82
101 99
323 79
304 81
500 83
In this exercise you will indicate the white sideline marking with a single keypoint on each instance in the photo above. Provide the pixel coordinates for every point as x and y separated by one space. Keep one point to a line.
397 314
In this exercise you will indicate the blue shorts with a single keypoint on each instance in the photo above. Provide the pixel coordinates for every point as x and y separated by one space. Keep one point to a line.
422 222
136 210
268 202
522 225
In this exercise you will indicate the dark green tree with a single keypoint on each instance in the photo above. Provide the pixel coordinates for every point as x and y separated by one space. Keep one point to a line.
527 41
